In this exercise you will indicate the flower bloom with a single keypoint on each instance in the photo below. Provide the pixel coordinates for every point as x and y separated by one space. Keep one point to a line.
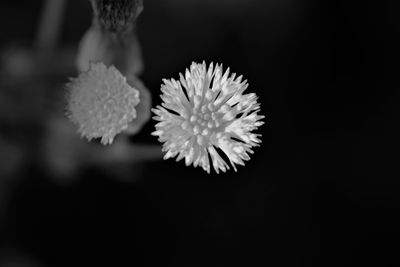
204 111
101 102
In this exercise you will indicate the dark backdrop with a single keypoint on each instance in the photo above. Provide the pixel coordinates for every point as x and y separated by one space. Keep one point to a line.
322 190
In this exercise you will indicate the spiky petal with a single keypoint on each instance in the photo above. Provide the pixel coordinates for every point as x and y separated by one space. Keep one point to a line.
206 111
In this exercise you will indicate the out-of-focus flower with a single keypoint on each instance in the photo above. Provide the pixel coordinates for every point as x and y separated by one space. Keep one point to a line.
143 109
101 102
117 16
112 37
204 111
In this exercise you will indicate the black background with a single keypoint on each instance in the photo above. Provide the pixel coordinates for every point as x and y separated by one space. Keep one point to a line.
322 190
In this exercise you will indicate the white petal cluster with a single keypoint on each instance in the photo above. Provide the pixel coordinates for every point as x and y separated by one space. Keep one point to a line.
101 102
204 114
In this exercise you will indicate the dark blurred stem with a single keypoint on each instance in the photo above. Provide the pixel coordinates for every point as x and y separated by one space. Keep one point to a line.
48 32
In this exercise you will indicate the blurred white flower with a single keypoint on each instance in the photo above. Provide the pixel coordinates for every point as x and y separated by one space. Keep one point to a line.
204 111
101 102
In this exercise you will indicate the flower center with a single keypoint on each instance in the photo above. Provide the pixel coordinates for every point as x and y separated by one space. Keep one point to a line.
202 123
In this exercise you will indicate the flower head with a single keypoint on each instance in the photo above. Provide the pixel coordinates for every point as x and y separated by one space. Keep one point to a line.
101 102
204 111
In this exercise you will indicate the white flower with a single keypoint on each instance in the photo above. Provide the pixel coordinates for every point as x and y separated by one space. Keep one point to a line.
205 110
101 102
